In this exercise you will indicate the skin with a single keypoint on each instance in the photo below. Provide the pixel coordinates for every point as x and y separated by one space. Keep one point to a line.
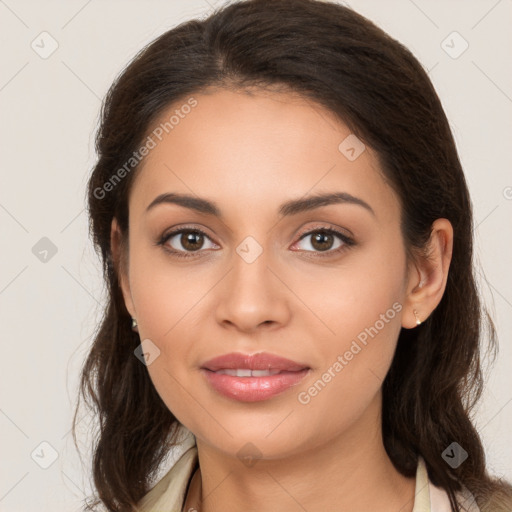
249 153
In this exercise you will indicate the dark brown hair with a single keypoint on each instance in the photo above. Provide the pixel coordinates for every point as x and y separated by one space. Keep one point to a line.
335 57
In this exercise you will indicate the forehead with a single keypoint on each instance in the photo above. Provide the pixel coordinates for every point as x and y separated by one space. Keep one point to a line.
254 147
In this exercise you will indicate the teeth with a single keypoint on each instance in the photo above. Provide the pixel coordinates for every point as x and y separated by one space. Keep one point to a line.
248 373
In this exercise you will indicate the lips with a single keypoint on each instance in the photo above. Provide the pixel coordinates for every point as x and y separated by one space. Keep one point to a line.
252 378
260 361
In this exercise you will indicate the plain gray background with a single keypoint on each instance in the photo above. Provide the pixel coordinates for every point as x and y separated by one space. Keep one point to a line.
51 301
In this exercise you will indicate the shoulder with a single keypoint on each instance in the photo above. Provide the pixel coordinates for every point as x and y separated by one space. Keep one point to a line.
430 498
498 501
440 501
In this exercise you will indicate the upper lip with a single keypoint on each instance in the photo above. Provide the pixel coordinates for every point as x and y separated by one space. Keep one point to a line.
260 361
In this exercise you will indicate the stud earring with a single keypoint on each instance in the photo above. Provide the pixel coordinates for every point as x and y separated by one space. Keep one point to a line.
134 325
418 321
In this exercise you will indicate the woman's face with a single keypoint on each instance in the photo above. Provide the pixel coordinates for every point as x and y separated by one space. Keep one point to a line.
253 283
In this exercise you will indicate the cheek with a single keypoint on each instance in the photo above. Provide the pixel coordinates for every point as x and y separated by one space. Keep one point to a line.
360 305
365 290
339 392
168 300
165 294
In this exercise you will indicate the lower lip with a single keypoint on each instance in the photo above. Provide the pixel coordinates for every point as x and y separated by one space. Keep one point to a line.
253 389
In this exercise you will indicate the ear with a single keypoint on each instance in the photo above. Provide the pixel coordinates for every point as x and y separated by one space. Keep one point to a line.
121 264
428 275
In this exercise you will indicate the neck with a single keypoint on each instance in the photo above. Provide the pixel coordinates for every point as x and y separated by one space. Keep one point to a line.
346 473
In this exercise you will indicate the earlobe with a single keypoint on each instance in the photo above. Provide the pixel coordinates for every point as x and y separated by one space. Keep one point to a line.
428 283
119 259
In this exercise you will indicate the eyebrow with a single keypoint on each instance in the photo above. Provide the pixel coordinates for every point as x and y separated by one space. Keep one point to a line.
288 208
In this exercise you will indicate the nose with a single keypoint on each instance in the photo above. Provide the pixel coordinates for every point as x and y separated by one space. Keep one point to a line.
253 296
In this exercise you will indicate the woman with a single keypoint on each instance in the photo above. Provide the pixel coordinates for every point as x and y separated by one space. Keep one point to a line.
286 234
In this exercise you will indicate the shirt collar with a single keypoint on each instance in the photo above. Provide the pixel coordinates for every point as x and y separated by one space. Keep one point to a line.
422 490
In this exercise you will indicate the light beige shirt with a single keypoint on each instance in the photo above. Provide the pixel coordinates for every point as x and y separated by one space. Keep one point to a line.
169 494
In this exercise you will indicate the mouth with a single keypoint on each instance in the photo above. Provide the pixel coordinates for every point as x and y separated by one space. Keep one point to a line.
252 378
243 372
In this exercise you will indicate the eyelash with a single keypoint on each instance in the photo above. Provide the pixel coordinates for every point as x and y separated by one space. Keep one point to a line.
347 242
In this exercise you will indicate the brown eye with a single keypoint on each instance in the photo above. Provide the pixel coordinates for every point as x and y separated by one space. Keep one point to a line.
191 240
326 240
186 241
